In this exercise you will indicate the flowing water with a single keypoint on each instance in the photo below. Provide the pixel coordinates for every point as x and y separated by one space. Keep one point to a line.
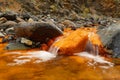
42 65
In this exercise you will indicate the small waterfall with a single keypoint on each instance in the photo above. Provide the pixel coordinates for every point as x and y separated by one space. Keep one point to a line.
96 60
53 50
92 49
92 52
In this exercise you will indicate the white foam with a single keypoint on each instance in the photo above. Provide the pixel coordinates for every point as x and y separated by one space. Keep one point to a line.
96 59
19 62
41 56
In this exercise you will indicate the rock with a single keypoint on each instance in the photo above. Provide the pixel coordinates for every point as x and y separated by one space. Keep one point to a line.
30 20
7 24
9 15
16 46
1 14
18 19
2 20
69 24
10 30
1 34
74 16
25 15
8 39
107 33
35 18
26 41
37 32
115 45
110 37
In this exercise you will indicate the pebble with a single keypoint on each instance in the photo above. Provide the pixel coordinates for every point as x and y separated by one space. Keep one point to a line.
69 24
26 41
2 20
2 35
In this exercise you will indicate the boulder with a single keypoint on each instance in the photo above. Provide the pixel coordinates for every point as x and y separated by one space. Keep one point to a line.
37 32
110 37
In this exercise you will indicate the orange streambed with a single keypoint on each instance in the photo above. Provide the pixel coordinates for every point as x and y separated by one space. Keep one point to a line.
59 68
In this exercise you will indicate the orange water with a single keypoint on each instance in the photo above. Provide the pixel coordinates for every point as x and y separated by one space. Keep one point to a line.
60 68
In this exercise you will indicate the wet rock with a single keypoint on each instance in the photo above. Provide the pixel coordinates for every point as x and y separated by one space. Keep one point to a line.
9 15
8 39
110 37
11 38
4 40
37 32
7 24
16 46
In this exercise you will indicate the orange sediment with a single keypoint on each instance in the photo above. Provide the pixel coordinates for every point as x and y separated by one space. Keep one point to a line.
76 41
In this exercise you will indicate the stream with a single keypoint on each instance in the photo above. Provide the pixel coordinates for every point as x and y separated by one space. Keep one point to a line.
42 65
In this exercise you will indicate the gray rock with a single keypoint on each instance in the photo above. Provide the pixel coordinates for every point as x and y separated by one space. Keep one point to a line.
115 45
37 32
110 37
16 46
107 33
9 15
35 18
25 15
7 24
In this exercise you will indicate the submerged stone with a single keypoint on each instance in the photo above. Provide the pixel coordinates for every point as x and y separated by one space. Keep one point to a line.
16 46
